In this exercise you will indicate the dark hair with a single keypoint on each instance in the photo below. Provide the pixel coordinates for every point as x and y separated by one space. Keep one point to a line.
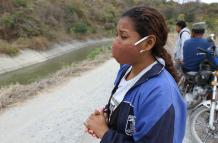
148 21
181 24
198 31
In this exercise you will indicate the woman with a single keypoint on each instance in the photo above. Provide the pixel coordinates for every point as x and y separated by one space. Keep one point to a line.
145 106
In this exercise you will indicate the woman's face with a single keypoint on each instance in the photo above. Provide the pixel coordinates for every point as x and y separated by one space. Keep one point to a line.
123 49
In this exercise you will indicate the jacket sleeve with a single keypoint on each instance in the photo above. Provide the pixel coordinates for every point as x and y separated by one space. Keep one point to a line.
112 136
154 123
162 132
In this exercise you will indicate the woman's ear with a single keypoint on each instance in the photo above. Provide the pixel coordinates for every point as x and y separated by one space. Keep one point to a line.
149 43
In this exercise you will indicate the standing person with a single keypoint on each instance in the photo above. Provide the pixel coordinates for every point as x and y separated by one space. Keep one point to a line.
192 60
146 105
183 35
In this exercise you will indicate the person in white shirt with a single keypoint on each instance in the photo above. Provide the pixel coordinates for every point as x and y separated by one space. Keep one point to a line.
183 35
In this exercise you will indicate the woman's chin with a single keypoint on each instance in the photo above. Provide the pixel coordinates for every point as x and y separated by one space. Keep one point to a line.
117 60
120 61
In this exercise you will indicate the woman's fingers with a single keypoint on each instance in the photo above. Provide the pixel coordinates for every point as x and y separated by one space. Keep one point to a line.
94 122
91 131
94 135
97 112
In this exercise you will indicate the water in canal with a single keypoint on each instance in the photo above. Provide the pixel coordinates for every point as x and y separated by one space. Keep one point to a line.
41 70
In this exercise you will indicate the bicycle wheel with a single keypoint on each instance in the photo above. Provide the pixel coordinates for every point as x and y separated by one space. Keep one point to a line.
199 126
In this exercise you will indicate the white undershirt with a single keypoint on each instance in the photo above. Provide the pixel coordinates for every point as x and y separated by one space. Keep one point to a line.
125 85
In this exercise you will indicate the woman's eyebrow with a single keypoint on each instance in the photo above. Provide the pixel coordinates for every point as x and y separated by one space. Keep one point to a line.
123 31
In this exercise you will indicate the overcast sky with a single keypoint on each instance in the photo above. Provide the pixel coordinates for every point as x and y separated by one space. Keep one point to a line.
206 1
209 1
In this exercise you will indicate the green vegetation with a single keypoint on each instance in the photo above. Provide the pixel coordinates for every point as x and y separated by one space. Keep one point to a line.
34 24
7 48
79 27
92 55
98 50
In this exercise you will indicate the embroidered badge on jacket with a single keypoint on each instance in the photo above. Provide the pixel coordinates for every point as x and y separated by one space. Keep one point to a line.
130 125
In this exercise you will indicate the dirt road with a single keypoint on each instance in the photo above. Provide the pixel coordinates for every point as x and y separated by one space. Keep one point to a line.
57 115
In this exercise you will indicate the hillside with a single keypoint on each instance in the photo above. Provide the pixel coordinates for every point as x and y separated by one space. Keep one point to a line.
37 23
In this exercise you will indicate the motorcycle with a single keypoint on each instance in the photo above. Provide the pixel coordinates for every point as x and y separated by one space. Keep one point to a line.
204 118
200 92
195 86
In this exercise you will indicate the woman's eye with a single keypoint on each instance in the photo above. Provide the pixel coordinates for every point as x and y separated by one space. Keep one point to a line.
124 37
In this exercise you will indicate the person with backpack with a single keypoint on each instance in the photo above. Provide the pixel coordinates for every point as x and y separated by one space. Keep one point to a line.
183 35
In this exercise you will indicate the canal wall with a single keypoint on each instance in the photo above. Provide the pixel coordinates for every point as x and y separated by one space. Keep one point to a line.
30 57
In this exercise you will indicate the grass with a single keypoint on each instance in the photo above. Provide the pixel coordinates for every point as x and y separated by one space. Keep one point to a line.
40 43
99 50
7 48
13 48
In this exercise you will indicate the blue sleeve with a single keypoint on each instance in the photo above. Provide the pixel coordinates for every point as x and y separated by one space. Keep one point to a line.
113 136
155 116
161 132
154 120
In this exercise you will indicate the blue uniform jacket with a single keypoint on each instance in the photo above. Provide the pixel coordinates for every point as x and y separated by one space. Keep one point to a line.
191 58
152 111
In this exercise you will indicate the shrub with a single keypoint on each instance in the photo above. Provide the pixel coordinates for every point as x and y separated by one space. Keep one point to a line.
27 26
39 43
110 13
22 43
79 27
8 20
21 24
7 48
70 16
20 3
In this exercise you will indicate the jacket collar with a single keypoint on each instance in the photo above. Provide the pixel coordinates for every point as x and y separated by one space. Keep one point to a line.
154 71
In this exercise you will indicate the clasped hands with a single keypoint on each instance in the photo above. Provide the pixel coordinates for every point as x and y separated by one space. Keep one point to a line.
96 124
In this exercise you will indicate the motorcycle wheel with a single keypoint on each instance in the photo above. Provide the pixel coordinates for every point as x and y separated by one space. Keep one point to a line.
199 126
194 102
